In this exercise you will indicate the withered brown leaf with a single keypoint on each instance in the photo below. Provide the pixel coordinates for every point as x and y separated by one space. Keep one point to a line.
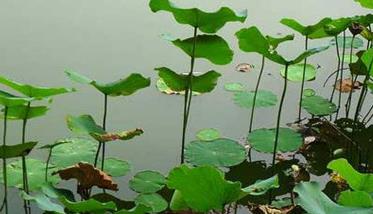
125 135
347 85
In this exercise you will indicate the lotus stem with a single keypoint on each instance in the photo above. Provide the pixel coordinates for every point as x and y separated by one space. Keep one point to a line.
27 205
256 93
47 164
303 81
338 70
353 80
367 114
188 95
341 74
104 127
5 201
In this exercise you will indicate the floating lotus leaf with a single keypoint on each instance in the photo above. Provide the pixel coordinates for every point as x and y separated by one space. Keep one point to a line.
203 188
206 22
260 187
263 140
43 202
365 3
311 31
355 179
35 174
162 87
122 87
314 201
318 106
358 43
140 209
116 167
263 99
33 91
308 92
346 58
147 182
77 150
24 112
152 200
18 150
220 152
208 134
295 72
179 82
355 199
87 176
221 55
234 87
88 206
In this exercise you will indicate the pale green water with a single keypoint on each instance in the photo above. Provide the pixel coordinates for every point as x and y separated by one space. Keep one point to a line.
109 39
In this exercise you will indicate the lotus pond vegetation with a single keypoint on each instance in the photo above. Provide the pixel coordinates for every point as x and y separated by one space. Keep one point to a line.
317 161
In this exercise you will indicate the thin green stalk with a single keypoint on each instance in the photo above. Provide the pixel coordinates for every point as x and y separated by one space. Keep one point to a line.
303 81
47 165
188 95
353 80
341 74
5 201
256 93
24 164
367 114
338 69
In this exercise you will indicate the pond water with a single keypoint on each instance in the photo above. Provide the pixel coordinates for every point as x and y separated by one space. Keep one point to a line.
107 40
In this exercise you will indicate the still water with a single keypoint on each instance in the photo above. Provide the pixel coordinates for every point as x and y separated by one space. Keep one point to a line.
107 40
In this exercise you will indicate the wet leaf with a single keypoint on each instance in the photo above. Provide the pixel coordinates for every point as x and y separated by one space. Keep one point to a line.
206 22
318 106
355 199
35 174
221 152
121 87
312 31
234 87
244 67
295 72
88 206
355 179
208 134
263 99
263 140
87 176
347 85
43 202
179 82
152 200
18 150
203 188
77 150
314 201
147 182
221 55
116 167
34 91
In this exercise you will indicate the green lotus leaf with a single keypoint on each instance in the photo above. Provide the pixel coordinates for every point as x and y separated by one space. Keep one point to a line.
314 201
147 182
162 87
354 58
140 209
87 206
206 22
177 202
24 112
153 200
178 82
35 174
355 199
307 54
235 86
260 187
43 202
77 150
263 99
34 91
83 124
358 43
208 134
221 55
56 143
357 67
365 3
309 92
116 167
18 150
311 31
220 152
274 42
295 72
9 100
263 140
367 59
203 188
318 106
356 180
121 87
337 26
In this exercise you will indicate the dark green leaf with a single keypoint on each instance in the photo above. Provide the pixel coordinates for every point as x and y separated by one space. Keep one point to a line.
152 200
16 150
87 206
43 202
318 106
311 31
147 182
